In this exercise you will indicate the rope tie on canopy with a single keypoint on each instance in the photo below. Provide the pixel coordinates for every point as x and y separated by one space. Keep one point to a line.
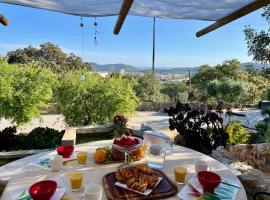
3 20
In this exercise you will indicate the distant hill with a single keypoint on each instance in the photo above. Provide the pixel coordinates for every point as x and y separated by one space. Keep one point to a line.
113 67
178 70
128 68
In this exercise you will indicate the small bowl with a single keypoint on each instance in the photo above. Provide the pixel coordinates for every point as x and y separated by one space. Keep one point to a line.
43 190
65 151
209 180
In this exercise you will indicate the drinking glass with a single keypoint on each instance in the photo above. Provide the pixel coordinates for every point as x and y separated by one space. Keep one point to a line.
180 173
75 180
92 192
81 158
155 156
200 165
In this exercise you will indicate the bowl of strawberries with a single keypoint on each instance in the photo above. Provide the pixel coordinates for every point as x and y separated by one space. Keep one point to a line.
126 144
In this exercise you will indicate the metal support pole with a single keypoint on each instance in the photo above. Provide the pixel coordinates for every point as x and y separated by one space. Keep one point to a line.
154 48
153 55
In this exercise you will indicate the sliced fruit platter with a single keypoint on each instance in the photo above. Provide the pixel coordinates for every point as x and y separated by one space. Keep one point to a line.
106 155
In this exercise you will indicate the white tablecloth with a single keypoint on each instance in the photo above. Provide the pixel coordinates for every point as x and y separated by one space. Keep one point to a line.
19 174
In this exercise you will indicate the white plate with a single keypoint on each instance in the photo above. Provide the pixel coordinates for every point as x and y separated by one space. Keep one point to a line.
147 191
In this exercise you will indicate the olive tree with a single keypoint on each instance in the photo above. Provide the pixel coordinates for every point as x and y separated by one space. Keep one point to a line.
86 98
23 90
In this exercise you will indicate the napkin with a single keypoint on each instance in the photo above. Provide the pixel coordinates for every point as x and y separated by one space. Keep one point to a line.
223 191
23 194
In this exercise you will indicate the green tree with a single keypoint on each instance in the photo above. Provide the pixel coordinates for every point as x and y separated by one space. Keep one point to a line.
147 89
23 90
48 56
175 91
229 90
259 42
87 98
230 82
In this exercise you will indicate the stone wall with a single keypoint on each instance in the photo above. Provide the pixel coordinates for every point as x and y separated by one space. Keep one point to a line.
255 155
252 179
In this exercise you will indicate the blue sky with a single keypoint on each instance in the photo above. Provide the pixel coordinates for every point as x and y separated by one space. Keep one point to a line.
176 43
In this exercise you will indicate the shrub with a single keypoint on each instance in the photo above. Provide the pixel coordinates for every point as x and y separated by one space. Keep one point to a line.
199 129
38 138
86 98
237 133
23 90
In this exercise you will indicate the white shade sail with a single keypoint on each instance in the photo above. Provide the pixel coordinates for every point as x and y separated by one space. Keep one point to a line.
210 10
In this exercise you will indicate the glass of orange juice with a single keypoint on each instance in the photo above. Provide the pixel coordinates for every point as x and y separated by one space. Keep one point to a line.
75 180
180 173
81 157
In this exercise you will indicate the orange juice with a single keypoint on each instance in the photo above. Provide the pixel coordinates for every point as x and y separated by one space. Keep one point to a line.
180 174
76 179
81 157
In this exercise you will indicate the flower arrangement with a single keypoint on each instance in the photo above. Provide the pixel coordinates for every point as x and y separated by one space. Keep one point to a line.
120 124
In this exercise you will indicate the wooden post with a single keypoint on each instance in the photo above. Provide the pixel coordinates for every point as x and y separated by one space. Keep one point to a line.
122 15
3 20
255 5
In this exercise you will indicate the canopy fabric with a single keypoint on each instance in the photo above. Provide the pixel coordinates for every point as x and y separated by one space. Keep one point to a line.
210 10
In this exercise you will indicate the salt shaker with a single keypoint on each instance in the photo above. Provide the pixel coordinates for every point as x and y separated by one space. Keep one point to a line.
56 163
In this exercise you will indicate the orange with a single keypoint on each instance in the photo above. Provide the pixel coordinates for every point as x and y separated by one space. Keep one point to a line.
100 155
139 153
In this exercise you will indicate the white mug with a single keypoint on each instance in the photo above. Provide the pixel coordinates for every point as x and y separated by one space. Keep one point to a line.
92 192
200 165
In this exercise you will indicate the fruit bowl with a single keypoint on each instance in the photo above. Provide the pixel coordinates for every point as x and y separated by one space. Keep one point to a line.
209 180
65 151
127 143
43 190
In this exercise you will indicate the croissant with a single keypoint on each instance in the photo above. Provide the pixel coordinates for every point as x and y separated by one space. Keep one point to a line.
143 167
137 184
138 177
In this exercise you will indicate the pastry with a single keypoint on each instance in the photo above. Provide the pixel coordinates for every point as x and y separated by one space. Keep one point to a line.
138 177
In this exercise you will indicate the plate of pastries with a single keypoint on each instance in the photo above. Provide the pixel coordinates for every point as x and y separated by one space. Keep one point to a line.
138 178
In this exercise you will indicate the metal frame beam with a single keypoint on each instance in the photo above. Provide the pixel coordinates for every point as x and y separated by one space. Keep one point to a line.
122 15
233 16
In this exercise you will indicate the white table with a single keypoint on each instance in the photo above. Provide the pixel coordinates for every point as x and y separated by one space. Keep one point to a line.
20 174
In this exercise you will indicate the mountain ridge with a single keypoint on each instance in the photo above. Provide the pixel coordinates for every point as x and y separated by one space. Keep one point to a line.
117 67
